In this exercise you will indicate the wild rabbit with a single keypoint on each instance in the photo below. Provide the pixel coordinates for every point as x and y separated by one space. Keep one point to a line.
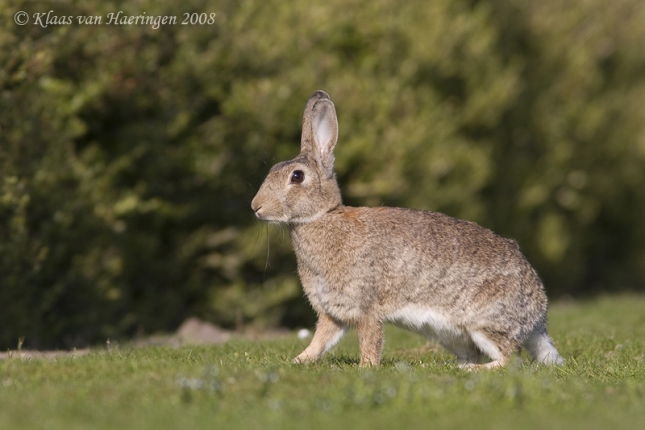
447 279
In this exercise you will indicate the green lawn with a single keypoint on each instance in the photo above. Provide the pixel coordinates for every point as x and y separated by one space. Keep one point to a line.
248 385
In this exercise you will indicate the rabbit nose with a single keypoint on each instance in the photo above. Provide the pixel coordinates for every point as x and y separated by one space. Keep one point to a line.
255 206
257 212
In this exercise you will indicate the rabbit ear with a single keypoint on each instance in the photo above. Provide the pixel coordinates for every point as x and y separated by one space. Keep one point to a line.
320 131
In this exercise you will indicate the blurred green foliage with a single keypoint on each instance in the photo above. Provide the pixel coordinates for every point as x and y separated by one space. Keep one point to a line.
129 155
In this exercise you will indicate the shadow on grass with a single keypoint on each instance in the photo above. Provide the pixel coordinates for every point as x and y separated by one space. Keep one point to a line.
342 360
349 361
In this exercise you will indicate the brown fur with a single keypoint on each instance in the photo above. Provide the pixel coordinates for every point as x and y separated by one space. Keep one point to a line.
447 279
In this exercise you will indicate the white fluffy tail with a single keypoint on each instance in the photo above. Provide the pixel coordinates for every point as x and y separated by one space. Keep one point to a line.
540 345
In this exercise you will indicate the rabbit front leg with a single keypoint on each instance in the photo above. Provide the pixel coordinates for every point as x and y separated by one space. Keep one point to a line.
370 340
328 333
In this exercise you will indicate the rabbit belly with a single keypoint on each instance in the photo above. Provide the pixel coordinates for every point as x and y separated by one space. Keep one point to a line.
429 323
466 343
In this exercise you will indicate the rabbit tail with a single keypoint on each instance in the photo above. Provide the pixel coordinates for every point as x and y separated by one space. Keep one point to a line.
540 346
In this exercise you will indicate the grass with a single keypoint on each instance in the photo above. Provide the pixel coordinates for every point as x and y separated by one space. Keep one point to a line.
252 385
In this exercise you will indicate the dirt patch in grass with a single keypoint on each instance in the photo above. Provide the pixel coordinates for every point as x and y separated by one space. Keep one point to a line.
193 331
48 355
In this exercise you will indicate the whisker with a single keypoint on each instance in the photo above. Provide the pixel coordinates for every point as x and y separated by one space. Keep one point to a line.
266 264
257 237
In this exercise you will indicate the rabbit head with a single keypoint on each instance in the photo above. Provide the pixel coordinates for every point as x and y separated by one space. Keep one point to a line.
303 189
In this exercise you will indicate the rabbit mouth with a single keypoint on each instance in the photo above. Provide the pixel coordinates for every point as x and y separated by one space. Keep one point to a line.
284 219
270 219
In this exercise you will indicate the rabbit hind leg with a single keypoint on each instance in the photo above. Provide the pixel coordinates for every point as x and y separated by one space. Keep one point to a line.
465 350
497 348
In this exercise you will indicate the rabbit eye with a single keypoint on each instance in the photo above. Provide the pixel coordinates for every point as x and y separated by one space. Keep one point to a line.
297 177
